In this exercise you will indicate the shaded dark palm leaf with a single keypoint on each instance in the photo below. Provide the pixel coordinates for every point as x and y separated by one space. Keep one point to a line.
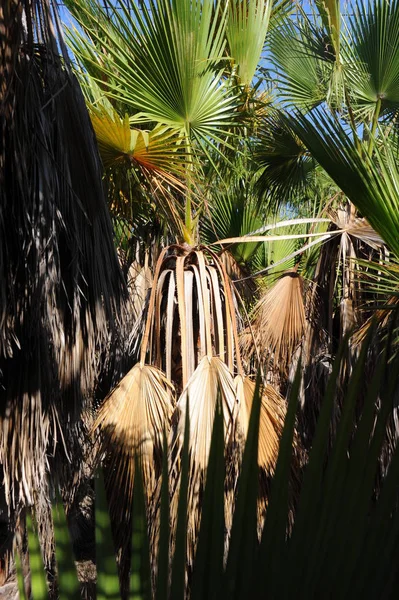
285 165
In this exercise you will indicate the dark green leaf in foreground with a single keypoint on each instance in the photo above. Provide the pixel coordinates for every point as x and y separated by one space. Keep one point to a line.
107 575
208 566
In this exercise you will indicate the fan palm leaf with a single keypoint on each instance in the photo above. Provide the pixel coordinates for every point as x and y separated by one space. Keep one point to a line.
210 386
247 25
271 423
371 50
370 183
152 150
235 212
305 72
161 60
285 166
279 318
132 420
210 380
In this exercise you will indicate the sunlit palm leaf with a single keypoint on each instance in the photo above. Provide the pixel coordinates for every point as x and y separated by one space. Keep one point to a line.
131 422
279 318
372 184
161 60
305 74
234 212
210 384
331 16
210 379
372 54
272 415
358 228
158 150
247 25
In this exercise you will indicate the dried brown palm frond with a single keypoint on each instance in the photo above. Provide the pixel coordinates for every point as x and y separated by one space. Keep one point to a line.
191 314
244 285
132 420
279 319
139 282
340 289
61 287
357 227
381 317
211 382
191 333
273 410
356 233
272 414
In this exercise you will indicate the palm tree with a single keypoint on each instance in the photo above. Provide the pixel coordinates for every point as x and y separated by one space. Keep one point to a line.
328 149
61 286
170 91
169 88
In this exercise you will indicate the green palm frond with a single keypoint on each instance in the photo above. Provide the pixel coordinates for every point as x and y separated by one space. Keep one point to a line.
372 184
161 59
234 213
303 62
276 253
285 166
331 17
371 52
247 25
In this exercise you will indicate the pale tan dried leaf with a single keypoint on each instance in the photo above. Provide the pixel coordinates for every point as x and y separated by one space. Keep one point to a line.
279 318
210 383
272 415
380 317
192 304
356 227
139 281
131 422
210 379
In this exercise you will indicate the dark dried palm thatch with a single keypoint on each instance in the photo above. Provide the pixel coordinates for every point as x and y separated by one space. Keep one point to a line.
61 287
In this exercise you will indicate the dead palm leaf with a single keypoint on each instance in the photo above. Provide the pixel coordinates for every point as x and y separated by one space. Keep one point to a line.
273 410
279 318
132 420
139 281
191 314
357 227
272 415
61 288
211 382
